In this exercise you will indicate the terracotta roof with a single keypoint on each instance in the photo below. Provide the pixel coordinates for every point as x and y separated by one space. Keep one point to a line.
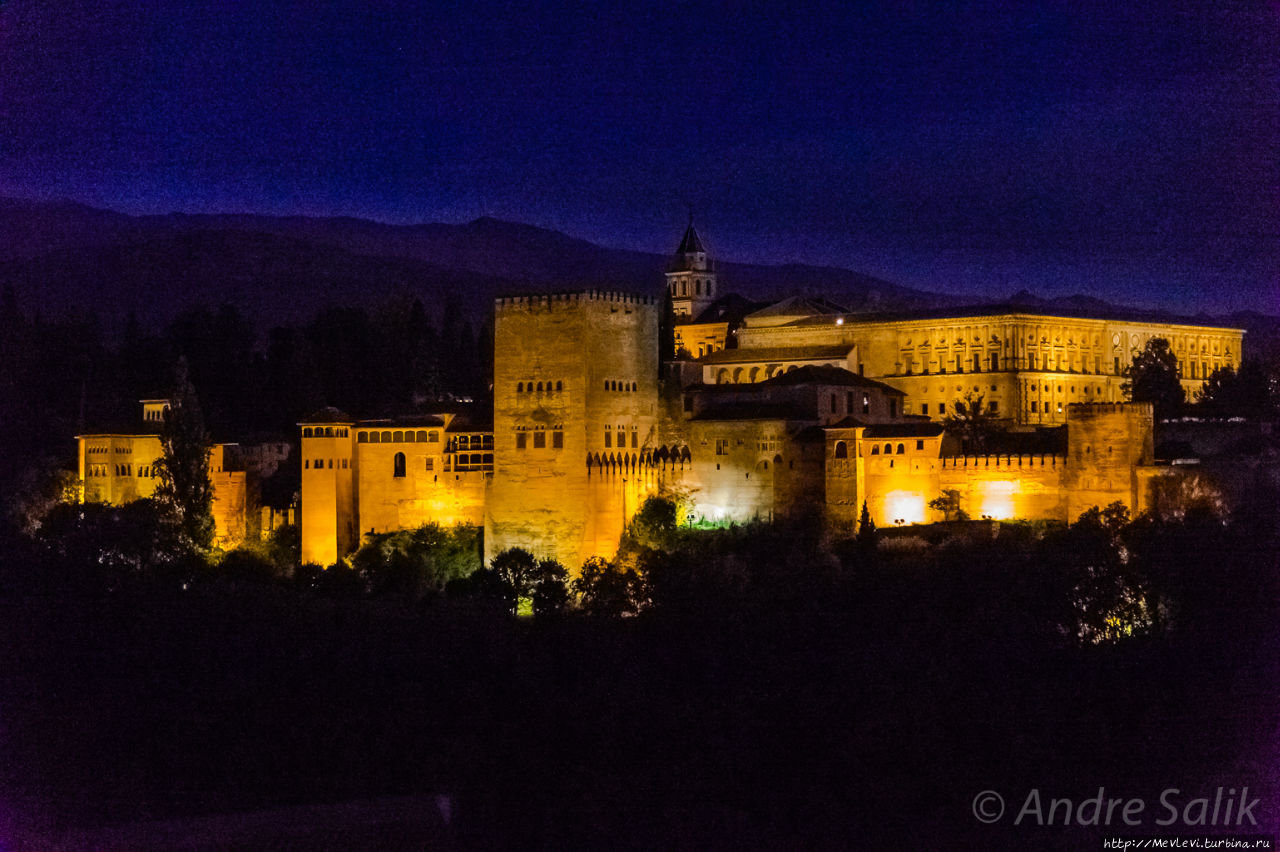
1094 312
328 414
799 306
903 430
730 308
821 374
777 353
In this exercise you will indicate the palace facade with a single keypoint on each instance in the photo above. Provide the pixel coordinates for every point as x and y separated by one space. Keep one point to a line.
796 406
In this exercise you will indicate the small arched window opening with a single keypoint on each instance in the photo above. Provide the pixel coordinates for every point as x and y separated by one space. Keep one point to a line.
888 449
901 449
519 387
842 450
875 451
306 433
559 386
539 387
398 465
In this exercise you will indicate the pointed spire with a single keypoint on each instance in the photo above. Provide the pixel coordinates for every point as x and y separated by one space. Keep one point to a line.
691 244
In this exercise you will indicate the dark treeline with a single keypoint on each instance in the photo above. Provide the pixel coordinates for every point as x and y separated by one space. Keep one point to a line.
761 686
61 376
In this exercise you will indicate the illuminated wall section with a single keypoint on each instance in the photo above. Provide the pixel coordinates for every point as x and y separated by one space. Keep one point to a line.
575 410
1032 365
415 472
1107 447
328 498
899 474
117 469
1007 487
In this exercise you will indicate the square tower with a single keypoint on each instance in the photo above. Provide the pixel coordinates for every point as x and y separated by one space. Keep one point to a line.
575 408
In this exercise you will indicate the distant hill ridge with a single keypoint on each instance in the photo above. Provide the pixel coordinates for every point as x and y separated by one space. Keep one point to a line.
64 256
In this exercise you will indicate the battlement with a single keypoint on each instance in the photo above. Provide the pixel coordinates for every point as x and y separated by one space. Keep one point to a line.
1004 462
549 300
1099 409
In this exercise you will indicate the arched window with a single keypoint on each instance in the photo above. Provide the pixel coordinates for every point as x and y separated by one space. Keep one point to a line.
559 386
328 432
398 465
397 437
433 436
539 387
306 433
386 437
901 449
519 387
888 449
722 376
842 450
422 437
875 451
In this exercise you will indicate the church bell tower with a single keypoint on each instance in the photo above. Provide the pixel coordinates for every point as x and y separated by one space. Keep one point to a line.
691 278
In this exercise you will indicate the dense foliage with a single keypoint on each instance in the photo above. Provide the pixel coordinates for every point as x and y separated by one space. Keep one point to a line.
1153 377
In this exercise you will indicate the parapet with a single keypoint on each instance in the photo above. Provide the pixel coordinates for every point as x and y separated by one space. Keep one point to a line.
548 300
1004 462
1101 409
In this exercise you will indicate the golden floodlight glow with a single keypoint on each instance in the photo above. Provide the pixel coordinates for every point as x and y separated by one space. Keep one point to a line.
904 507
997 500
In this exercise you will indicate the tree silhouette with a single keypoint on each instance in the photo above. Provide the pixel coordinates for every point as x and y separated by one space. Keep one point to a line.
972 422
1153 377
184 488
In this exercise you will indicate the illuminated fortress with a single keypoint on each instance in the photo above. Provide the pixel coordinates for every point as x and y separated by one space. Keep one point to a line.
798 406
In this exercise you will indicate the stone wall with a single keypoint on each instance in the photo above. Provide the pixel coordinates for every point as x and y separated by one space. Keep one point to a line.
575 409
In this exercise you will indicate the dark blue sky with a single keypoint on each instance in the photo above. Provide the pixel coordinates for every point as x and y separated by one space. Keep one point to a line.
1127 150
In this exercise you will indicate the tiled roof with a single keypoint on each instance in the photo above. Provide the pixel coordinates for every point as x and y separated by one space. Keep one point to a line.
777 353
903 430
821 374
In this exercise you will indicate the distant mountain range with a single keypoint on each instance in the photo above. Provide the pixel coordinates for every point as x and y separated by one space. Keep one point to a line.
64 257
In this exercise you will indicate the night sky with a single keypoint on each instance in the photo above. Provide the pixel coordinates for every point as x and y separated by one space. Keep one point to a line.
1126 150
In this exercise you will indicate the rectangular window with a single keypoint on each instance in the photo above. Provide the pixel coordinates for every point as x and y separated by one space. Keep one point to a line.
431 464
919 445
866 404
995 362
539 440
557 440
608 437
1117 367
722 446
1033 407
634 439
306 464
977 362
924 408
995 406
521 438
